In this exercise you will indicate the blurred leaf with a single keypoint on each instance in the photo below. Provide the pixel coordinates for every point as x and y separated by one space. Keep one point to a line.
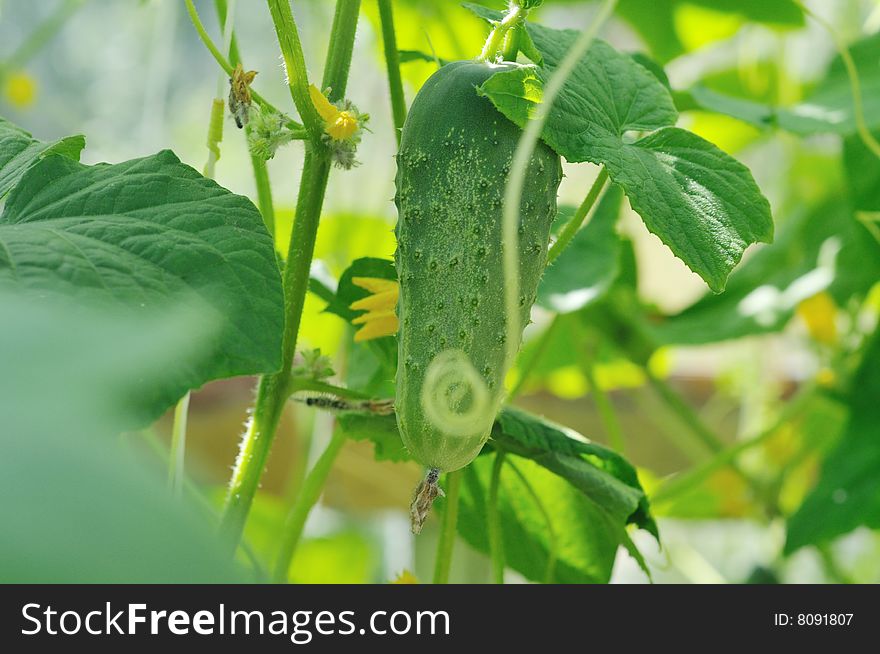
829 108
655 20
822 249
703 204
19 151
75 506
589 265
136 236
848 493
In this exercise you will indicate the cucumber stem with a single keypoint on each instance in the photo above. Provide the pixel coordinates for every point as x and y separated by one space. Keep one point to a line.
446 544
495 43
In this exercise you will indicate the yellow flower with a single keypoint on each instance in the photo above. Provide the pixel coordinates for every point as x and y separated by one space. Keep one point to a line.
20 90
339 125
380 318
405 577
819 313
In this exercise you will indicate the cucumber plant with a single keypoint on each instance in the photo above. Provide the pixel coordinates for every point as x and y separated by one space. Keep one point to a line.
433 335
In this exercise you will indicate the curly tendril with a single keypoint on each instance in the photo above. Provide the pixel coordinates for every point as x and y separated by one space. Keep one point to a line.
455 397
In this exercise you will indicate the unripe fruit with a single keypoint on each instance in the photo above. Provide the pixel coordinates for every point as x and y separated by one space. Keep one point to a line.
454 160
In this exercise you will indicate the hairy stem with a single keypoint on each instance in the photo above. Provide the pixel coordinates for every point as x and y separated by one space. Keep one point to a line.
295 64
496 544
308 495
274 388
392 61
446 543
571 228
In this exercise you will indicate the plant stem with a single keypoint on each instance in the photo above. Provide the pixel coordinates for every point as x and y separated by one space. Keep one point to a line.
571 228
552 543
274 388
392 61
496 544
606 409
495 42
295 64
341 47
176 456
446 543
529 366
308 495
225 65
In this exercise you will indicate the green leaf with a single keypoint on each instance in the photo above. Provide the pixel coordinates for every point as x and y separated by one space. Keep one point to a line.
701 202
602 475
587 268
848 493
137 237
19 151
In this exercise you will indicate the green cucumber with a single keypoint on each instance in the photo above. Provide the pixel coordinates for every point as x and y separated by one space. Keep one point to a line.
455 156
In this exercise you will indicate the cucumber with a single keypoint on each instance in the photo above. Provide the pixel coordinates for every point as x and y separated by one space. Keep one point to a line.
455 155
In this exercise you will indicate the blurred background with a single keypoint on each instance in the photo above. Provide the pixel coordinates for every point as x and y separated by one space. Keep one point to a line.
134 78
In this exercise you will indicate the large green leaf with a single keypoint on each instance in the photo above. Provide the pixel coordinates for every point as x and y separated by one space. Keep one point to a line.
848 493
602 475
829 108
19 151
138 236
701 202
588 492
589 265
